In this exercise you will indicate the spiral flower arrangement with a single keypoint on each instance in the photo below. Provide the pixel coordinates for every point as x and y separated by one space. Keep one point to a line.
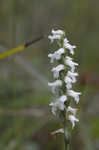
64 75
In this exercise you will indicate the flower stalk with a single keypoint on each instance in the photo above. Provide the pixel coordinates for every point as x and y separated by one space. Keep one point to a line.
65 76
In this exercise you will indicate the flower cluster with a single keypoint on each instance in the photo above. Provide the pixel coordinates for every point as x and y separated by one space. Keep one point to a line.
64 75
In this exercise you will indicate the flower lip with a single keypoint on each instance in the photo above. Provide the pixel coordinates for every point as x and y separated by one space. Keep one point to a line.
63 84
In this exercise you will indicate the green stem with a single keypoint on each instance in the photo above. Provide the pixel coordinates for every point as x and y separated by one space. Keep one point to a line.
67 136
66 141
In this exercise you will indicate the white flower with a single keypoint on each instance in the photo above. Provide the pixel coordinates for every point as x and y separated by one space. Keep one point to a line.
70 63
55 84
57 69
58 104
62 98
58 131
53 108
65 41
56 35
68 82
72 75
73 119
72 110
68 46
59 32
70 78
56 55
74 94
52 56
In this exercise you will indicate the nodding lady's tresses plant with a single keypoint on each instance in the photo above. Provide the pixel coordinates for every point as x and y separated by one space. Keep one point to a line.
65 76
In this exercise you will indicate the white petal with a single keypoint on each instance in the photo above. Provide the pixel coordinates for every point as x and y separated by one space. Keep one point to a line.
53 108
54 37
58 104
68 79
72 75
56 55
55 83
58 131
69 85
57 69
73 119
69 46
72 110
52 57
68 82
74 94
60 51
70 63
60 32
51 38
65 41
63 98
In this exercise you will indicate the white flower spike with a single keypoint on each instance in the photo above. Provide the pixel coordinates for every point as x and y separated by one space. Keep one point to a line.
65 76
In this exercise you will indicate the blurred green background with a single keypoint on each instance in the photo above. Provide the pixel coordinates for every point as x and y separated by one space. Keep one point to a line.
25 118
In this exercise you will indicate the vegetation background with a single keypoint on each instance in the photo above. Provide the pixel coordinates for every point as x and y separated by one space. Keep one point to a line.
25 118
